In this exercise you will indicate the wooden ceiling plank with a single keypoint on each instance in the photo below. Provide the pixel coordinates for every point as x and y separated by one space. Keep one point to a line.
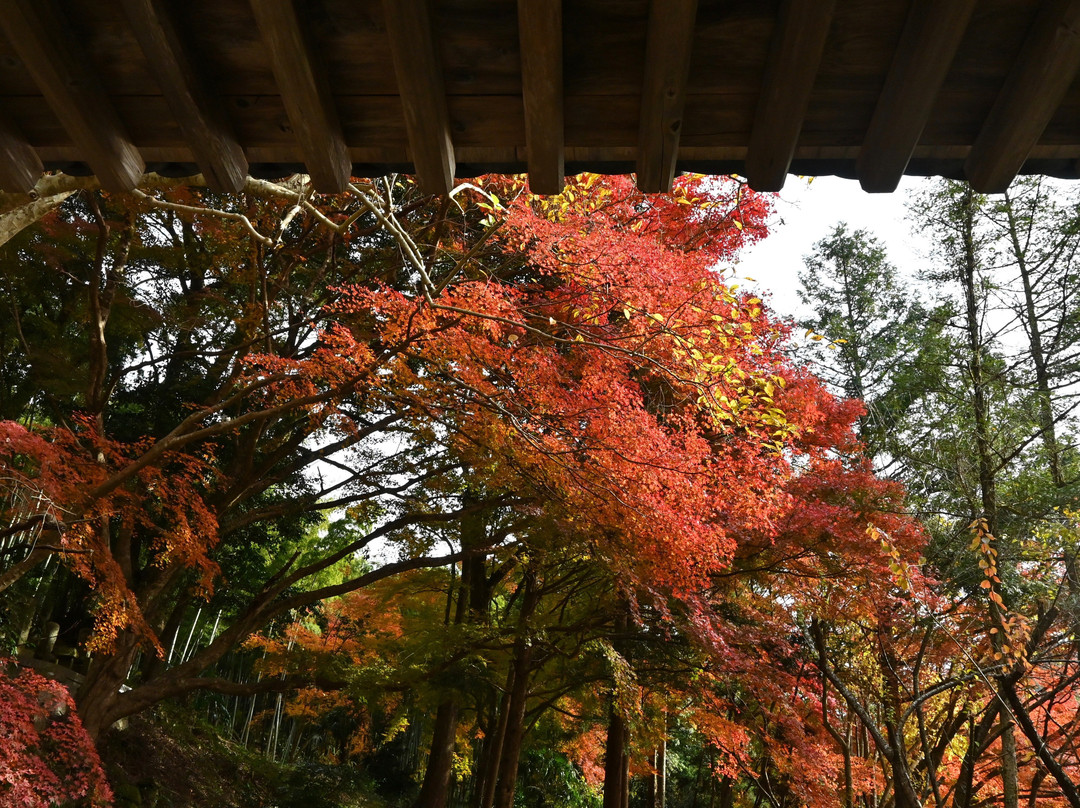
930 39
668 49
422 91
1032 92
305 94
198 112
795 55
540 34
20 165
53 55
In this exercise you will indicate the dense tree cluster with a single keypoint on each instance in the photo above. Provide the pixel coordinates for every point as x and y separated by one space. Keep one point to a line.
506 499
971 390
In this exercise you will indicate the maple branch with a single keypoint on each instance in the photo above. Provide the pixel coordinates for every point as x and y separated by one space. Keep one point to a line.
16 571
197 211
178 437
814 637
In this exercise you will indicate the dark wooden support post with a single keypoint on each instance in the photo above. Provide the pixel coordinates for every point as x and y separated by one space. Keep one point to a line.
198 112
795 57
540 34
305 93
20 166
663 94
1035 87
422 91
926 49
40 34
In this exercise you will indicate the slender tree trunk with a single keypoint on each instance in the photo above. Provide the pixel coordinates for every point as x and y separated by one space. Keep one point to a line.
1010 780
1037 350
987 471
977 740
661 770
514 732
624 777
658 782
490 776
471 606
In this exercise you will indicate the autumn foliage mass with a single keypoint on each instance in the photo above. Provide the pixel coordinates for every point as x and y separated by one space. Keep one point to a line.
491 499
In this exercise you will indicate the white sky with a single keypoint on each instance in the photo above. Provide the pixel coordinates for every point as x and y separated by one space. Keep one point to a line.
806 212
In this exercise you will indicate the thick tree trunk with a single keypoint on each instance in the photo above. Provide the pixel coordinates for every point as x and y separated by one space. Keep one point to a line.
98 698
15 221
614 757
440 762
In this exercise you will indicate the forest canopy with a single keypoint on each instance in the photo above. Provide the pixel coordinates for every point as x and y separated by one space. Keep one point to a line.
498 499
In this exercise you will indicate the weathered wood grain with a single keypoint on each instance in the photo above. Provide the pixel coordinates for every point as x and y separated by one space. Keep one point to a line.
540 32
1034 89
481 115
795 56
668 51
20 165
422 92
305 93
55 58
198 112
922 59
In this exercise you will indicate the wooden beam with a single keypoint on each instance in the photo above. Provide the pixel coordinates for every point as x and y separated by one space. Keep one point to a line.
926 49
667 64
305 94
540 34
197 111
422 92
794 57
53 55
1033 90
20 166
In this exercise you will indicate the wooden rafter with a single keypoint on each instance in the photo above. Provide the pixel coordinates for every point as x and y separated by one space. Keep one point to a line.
663 95
41 36
931 36
540 34
795 55
1034 89
873 88
20 166
305 93
198 112
422 91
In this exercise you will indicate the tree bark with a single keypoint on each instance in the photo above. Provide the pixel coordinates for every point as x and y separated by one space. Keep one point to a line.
490 775
1037 350
987 473
15 221
614 755
514 733
436 784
